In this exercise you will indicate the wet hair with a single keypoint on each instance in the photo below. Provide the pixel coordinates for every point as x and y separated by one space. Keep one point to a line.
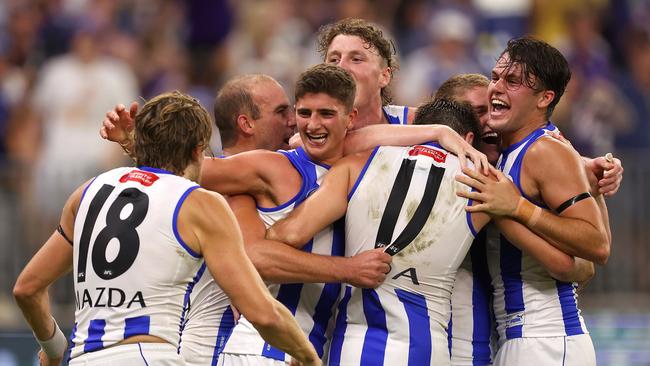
458 115
543 67
168 129
373 37
235 98
329 79
456 85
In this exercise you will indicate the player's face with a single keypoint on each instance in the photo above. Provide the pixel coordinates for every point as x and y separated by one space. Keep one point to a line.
478 98
323 123
277 121
367 67
512 103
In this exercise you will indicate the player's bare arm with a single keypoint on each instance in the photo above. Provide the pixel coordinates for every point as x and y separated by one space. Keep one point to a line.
280 263
383 134
208 226
552 173
326 205
267 176
52 261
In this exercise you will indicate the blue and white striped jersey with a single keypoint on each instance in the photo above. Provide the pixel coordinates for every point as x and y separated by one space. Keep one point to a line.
472 332
396 114
312 304
132 270
405 199
528 302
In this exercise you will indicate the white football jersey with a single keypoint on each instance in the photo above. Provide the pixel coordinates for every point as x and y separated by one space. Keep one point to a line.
312 304
405 200
132 271
528 302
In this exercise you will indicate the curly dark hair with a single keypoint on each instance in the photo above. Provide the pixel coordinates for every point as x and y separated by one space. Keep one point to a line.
372 35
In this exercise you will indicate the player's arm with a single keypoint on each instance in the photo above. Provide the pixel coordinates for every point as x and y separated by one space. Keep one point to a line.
558 174
397 135
280 263
53 260
207 224
326 205
559 265
247 172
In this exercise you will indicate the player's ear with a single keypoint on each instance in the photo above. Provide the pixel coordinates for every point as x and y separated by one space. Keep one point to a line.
245 124
385 77
352 117
545 98
469 137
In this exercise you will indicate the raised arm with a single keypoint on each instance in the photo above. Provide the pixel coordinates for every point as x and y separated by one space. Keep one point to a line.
280 263
206 223
398 135
52 261
326 205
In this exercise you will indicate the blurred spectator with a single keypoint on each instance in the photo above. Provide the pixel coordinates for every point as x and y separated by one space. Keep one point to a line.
72 94
449 53
635 84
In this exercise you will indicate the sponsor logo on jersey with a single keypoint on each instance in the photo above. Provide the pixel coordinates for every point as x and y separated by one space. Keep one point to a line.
437 155
102 297
515 319
144 178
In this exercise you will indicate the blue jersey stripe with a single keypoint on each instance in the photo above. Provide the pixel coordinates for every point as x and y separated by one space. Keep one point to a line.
175 222
572 325
363 172
374 342
186 303
481 299
322 315
136 326
513 286
415 306
339 329
142 355
288 295
226 326
72 335
95 334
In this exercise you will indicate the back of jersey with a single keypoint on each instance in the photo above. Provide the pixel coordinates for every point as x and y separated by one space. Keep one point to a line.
132 270
405 200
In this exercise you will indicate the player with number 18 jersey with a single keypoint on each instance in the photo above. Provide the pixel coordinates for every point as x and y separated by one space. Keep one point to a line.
131 268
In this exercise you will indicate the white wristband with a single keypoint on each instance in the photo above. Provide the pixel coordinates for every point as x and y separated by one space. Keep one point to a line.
56 346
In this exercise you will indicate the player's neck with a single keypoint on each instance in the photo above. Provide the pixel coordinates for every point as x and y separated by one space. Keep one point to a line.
516 136
239 147
369 114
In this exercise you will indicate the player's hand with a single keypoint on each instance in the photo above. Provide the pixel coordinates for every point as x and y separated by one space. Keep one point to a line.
608 171
558 136
453 142
495 195
295 362
43 360
119 123
368 269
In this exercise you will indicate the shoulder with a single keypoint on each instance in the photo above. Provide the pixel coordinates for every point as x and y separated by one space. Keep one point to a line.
548 151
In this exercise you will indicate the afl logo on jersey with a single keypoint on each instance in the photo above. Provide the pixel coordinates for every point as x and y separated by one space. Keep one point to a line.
144 178
437 155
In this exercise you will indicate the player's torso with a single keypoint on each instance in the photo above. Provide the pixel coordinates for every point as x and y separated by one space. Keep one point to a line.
528 302
403 321
131 269
312 304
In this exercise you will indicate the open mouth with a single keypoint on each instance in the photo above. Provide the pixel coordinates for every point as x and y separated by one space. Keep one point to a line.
317 139
490 138
499 105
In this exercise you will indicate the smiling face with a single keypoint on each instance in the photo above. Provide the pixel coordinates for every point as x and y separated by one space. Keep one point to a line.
323 122
515 109
276 122
363 61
